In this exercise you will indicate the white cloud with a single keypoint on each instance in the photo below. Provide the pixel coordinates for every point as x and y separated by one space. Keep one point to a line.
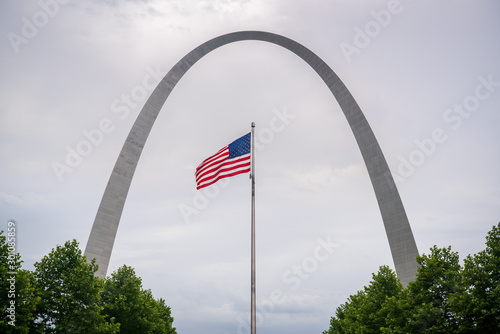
28 200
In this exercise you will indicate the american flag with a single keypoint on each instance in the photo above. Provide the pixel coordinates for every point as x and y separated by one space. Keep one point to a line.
231 160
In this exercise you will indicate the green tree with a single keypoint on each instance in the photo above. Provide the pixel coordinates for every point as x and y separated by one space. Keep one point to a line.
17 298
160 316
133 308
428 306
368 310
444 297
479 305
70 294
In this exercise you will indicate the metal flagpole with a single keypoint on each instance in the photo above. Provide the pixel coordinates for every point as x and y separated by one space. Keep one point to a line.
252 177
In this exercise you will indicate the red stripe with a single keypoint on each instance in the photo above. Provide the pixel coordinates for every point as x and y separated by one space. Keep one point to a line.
212 165
222 170
222 154
222 177
215 167
214 156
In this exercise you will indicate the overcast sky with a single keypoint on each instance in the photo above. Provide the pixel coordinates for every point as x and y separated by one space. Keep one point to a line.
426 75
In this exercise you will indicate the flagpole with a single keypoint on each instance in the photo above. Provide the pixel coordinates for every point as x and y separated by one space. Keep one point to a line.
252 177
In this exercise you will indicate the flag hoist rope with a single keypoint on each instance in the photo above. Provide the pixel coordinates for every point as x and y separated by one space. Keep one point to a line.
252 177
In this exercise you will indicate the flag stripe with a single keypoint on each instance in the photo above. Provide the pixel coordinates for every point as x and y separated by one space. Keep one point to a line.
213 170
214 161
231 160
222 169
224 175
240 169
222 154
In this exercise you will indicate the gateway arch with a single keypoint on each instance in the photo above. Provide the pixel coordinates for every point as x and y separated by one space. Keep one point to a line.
398 230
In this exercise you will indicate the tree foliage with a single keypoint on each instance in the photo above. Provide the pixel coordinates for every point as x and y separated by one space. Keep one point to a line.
479 306
445 297
367 311
17 297
70 293
133 307
62 295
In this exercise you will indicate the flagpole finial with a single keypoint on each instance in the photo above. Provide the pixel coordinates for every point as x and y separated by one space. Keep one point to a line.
253 124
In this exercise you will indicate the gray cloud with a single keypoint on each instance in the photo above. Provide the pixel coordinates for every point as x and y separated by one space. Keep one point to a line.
311 179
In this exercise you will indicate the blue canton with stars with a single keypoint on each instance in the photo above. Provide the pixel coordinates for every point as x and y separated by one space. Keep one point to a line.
240 146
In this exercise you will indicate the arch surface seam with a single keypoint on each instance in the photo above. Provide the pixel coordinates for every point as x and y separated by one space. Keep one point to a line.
397 227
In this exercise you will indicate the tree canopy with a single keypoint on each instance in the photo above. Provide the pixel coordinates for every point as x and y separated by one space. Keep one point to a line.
134 308
445 297
62 295
17 297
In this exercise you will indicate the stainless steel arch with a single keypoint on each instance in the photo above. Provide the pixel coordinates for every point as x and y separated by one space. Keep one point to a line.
401 241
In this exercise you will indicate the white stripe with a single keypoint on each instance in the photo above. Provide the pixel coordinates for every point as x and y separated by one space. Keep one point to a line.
231 162
220 174
216 164
204 164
